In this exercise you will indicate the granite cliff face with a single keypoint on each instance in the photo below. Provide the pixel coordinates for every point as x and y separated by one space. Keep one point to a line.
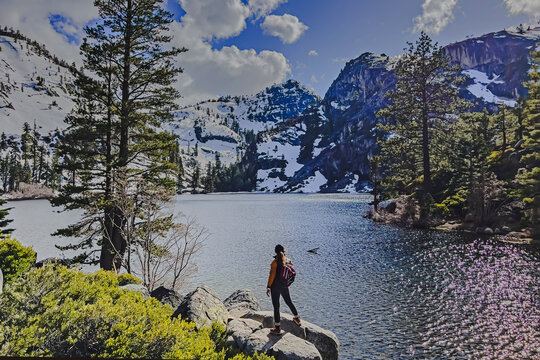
339 139
501 56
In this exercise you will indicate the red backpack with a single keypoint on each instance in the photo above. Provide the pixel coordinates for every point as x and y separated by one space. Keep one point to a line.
287 274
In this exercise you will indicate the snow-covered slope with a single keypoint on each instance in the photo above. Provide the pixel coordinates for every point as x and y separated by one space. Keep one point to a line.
33 87
228 125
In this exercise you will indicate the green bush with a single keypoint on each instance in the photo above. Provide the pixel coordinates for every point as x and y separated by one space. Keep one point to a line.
60 312
15 259
457 203
440 211
126 279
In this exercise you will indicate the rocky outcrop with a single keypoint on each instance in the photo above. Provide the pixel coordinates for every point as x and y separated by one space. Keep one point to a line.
250 336
325 341
203 307
167 296
240 330
241 302
138 288
30 191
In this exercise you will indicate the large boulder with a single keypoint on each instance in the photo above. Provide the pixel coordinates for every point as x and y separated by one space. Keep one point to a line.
167 296
241 329
203 307
324 340
138 288
241 302
282 347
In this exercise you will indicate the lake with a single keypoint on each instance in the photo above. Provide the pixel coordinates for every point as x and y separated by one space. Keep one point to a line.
385 292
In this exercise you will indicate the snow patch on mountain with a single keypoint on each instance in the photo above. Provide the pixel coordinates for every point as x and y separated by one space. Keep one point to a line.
33 88
480 87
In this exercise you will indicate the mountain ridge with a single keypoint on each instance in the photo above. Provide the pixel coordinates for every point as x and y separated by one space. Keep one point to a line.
296 140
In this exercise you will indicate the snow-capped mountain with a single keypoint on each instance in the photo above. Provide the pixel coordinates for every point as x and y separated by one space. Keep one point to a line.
226 126
294 140
342 127
34 86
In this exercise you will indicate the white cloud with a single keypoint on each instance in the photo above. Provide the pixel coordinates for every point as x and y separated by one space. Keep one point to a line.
436 15
210 72
260 8
207 73
314 79
287 27
32 19
313 53
530 7
209 19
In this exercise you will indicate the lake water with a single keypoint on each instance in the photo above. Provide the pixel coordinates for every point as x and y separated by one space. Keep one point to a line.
387 293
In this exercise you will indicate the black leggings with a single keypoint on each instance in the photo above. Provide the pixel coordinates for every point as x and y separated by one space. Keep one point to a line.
283 291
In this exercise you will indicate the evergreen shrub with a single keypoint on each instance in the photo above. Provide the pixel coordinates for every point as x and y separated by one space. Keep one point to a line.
61 312
15 258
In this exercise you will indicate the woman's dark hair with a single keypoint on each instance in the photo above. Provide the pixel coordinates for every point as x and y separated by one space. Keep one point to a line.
279 249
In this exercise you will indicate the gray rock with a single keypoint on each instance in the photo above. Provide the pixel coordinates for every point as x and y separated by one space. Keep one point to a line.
1 281
203 307
241 302
136 287
282 347
488 231
325 341
391 207
469 218
241 329
505 229
167 296
260 341
290 347
497 231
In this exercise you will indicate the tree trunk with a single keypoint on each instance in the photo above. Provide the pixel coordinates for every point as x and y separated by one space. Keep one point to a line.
112 258
426 185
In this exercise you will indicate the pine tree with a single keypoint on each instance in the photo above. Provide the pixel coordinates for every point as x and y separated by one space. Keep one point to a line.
26 149
195 176
504 126
35 150
374 177
519 115
530 179
114 147
208 182
4 221
424 98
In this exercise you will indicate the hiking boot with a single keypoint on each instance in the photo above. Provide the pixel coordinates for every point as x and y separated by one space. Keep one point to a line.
275 330
296 320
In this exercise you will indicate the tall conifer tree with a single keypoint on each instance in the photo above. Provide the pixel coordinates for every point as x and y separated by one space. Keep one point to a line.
530 180
425 97
113 143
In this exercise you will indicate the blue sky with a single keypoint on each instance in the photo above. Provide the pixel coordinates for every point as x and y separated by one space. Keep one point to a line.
241 46
341 30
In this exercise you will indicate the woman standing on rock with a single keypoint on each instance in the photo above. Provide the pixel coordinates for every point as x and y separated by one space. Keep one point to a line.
278 286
